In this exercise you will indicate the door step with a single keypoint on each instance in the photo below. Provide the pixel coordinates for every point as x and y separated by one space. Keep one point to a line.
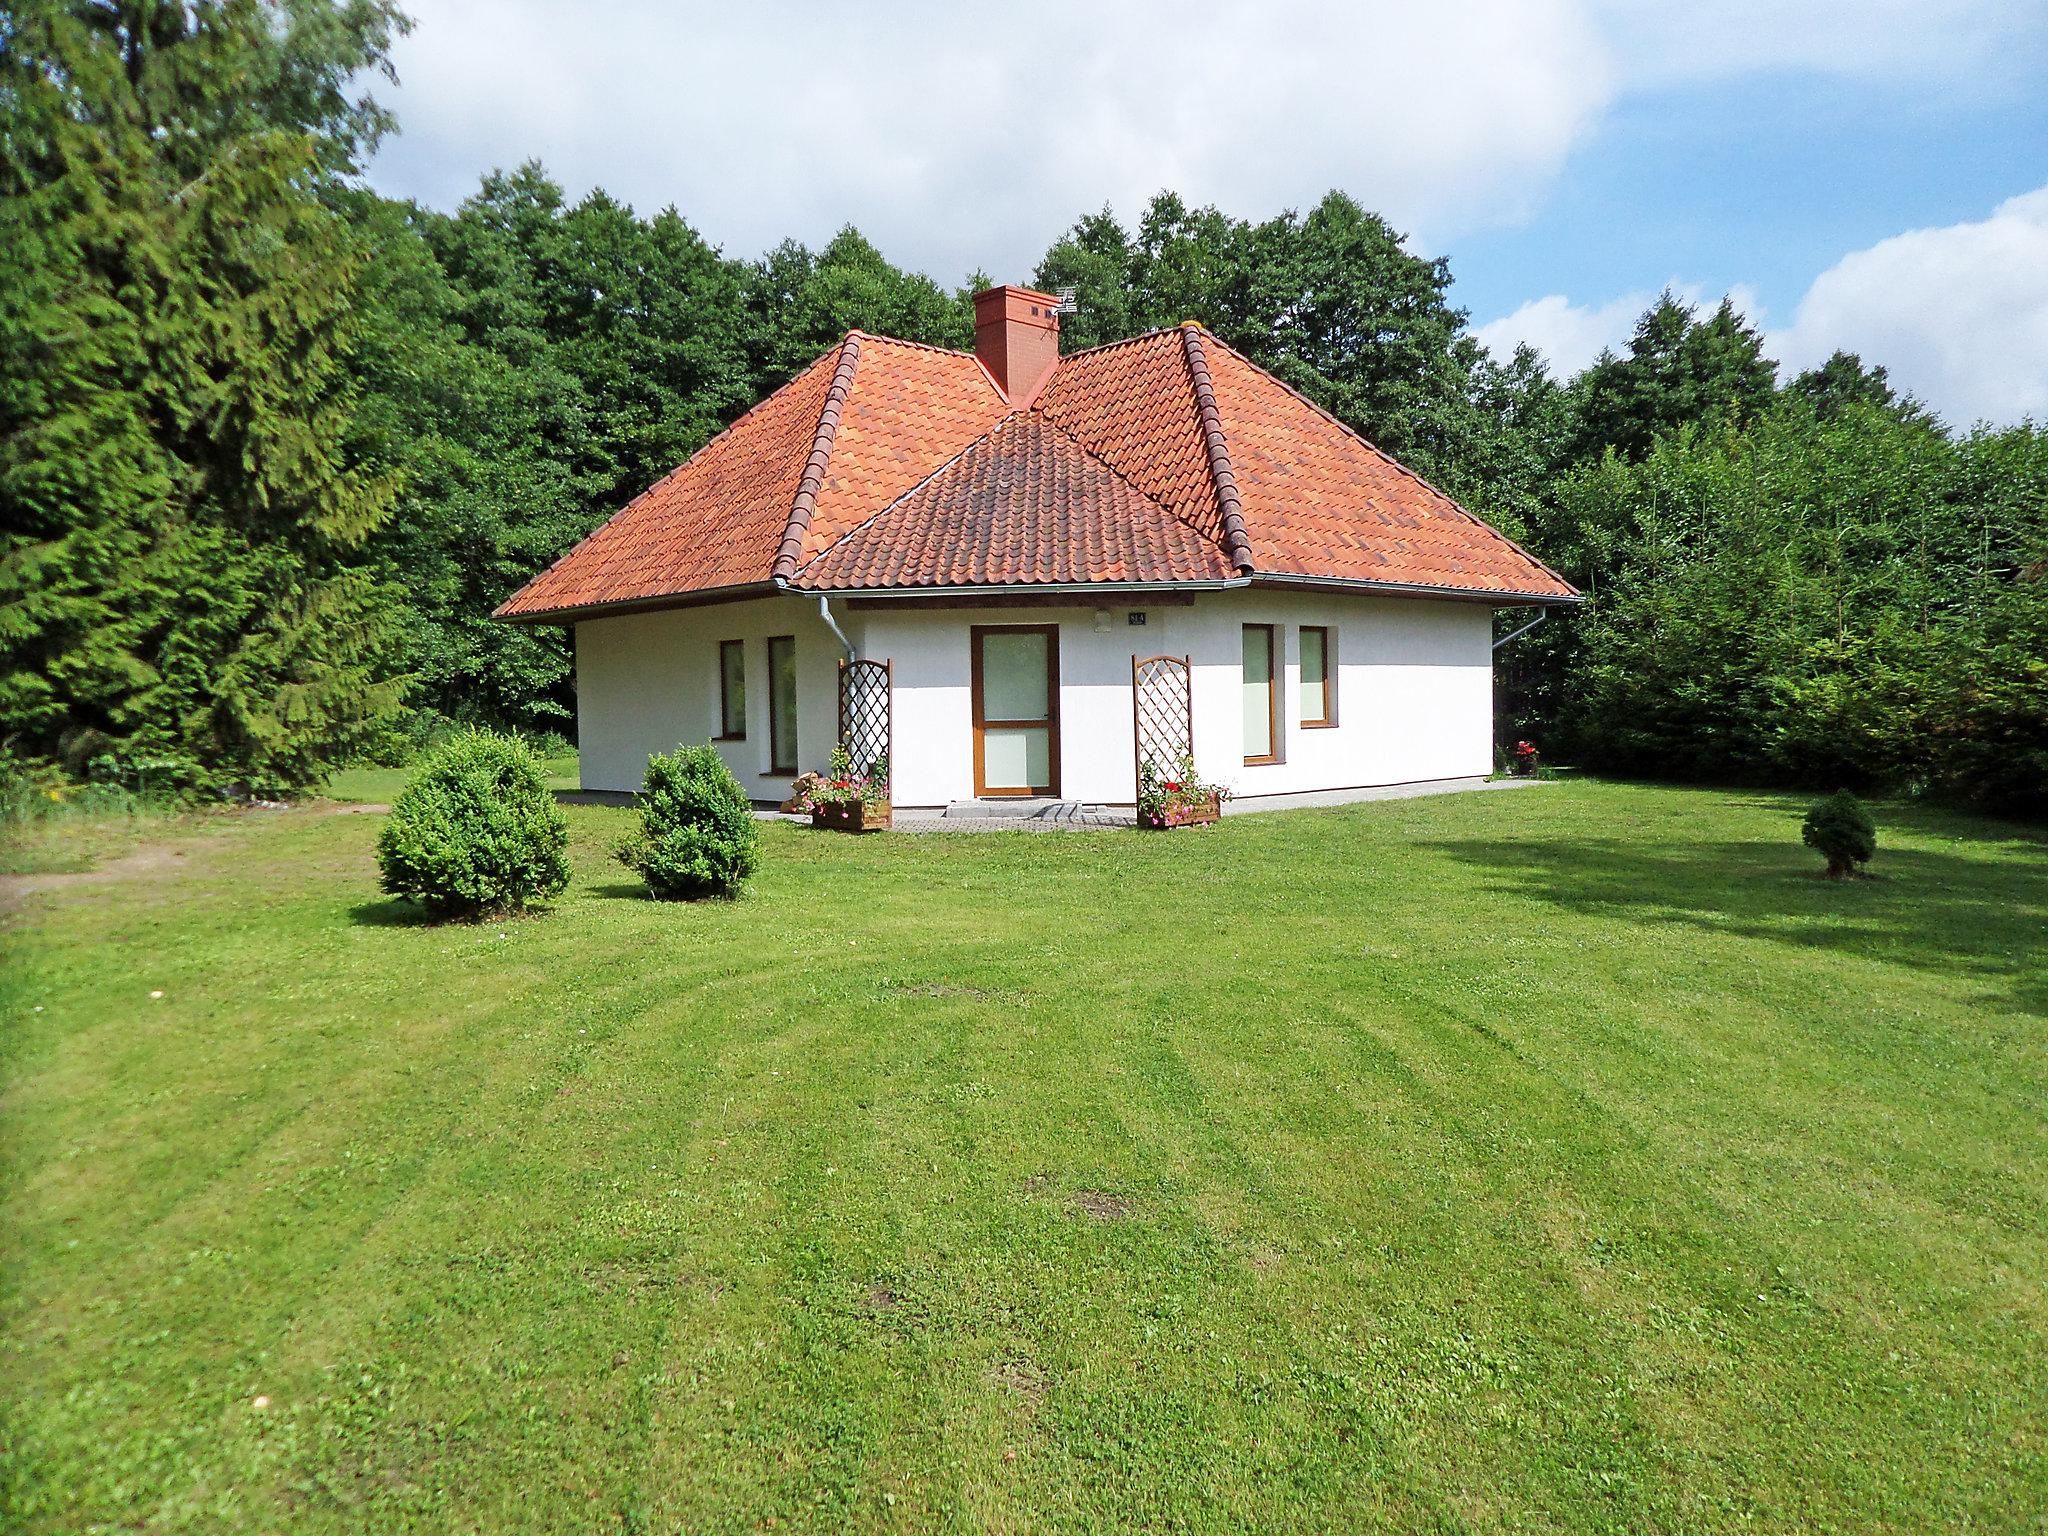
1023 810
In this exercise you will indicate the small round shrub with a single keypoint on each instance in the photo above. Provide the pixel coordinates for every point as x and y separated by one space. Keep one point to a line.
1841 830
697 834
476 831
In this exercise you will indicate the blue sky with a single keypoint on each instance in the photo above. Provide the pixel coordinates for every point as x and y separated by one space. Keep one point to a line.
1758 184
1867 174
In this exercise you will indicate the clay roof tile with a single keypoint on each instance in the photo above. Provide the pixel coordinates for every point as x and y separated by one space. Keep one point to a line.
1164 457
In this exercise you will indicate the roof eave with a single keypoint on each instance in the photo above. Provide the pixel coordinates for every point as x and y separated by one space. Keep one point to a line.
1002 588
630 605
1498 597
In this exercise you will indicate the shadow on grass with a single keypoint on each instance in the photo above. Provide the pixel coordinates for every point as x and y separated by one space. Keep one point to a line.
1913 816
391 912
621 890
1932 911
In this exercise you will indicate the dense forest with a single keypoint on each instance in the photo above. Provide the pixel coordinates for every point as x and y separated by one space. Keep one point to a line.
272 446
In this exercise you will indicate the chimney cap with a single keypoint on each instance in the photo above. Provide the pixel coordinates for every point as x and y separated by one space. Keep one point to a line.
1017 338
1016 289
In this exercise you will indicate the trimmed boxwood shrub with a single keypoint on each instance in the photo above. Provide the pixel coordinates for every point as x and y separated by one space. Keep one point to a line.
697 834
476 832
1840 829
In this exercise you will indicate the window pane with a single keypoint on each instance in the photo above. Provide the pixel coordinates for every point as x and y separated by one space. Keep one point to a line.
782 702
1314 665
1016 758
1013 680
1258 691
732 681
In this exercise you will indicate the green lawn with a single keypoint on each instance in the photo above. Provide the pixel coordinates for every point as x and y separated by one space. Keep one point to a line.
1568 1159
380 786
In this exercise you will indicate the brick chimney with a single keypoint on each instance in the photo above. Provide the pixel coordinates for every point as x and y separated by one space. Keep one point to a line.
1017 338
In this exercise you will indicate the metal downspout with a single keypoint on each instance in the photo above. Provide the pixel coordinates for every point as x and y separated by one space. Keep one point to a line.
825 613
1541 615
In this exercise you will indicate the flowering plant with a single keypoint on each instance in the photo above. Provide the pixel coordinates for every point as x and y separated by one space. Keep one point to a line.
842 786
1523 759
1169 798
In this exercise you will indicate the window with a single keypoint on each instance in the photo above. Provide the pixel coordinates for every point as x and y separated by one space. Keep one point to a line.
1318 692
782 754
732 690
1261 722
1016 708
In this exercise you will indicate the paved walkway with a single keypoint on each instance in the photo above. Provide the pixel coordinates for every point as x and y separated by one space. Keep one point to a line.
1061 818
1069 817
1250 804
1073 817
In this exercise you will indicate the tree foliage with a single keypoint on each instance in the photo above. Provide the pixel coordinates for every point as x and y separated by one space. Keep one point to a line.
1679 371
1848 600
1332 302
186 508
697 836
273 447
476 832
1839 828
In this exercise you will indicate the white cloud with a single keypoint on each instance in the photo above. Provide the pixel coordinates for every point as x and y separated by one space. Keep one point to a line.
958 137
1957 315
1659 42
962 136
1569 336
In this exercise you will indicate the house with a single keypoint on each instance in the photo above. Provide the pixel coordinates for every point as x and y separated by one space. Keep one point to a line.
1013 571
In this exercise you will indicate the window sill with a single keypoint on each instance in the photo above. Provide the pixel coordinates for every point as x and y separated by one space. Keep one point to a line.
728 738
1261 762
1319 725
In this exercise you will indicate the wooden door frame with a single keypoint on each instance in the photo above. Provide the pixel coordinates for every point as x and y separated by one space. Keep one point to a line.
1274 673
1051 724
777 768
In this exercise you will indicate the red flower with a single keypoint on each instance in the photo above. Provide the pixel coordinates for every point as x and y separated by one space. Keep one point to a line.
1174 787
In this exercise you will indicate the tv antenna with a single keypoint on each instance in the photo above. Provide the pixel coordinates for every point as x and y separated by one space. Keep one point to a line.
1068 304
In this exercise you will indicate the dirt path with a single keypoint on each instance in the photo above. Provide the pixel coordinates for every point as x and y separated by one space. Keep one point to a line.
156 859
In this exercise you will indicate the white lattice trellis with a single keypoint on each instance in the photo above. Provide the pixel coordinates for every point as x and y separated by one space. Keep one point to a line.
865 712
1162 711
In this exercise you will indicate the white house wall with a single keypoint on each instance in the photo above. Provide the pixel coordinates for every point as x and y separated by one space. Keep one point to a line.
1413 699
648 682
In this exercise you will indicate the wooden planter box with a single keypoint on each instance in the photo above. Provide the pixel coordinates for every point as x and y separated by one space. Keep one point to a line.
857 817
1184 816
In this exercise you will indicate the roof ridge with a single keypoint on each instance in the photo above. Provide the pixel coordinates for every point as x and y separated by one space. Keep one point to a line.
1229 507
922 346
732 426
880 512
1394 463
1034 420
1121 341
806 499
1081 447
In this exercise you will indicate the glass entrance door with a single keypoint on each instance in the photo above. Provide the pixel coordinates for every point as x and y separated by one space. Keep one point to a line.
1016 709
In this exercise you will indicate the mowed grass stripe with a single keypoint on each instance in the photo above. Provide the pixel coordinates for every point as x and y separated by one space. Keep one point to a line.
1568 1159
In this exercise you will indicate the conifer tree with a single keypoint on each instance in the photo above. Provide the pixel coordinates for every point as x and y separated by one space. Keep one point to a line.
181 577
1679 370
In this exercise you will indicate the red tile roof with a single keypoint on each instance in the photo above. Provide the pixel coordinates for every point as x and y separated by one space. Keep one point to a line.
1024 504
1133 404
912 408
715 522
1164 458
1319 500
